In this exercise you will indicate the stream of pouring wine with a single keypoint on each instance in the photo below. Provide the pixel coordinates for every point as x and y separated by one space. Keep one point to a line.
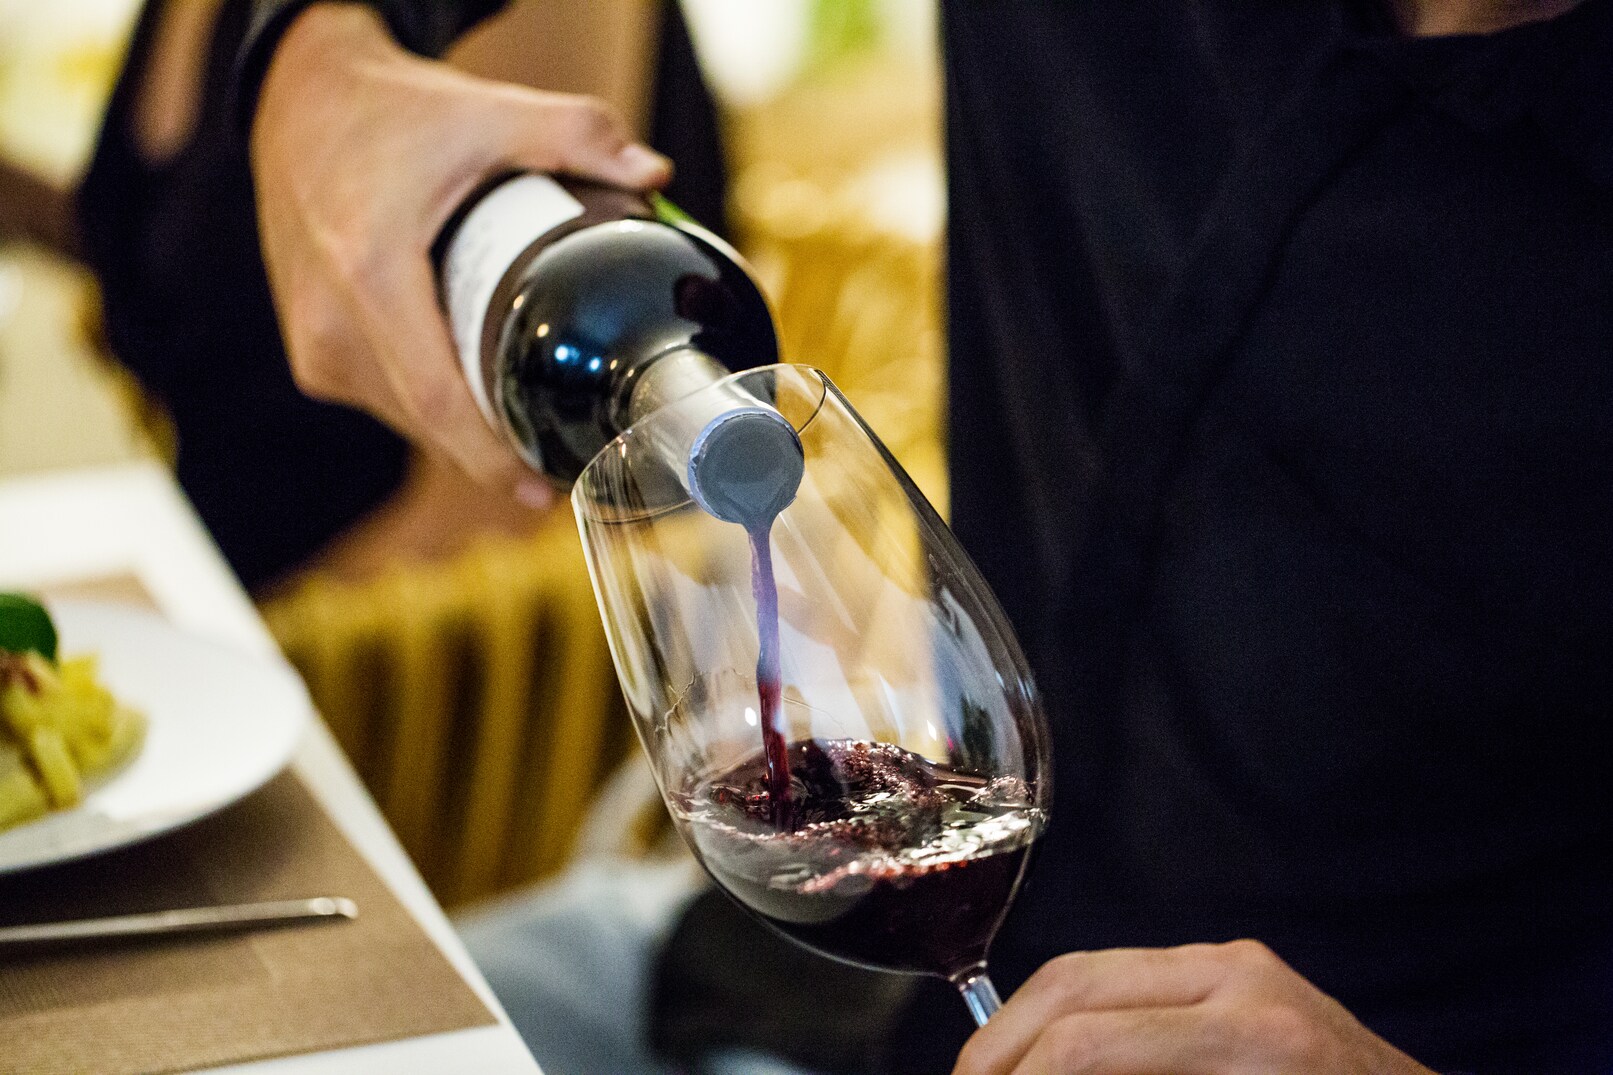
769 685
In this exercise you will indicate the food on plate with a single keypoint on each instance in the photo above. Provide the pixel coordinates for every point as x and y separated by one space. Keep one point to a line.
59 726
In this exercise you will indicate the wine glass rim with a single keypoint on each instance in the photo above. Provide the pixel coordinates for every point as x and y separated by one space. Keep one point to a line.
587 508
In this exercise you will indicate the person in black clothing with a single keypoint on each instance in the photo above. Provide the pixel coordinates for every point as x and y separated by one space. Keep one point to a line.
1281 345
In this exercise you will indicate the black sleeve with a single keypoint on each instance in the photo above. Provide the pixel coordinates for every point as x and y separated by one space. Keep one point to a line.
424 27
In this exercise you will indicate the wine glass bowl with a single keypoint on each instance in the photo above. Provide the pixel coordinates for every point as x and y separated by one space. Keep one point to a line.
917 757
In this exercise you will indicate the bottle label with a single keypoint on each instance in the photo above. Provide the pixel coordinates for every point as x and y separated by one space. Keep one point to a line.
505 222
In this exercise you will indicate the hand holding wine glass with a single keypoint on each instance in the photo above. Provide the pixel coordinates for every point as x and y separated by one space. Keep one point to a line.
1201 1009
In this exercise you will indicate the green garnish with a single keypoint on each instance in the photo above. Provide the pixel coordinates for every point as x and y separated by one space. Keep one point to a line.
25 626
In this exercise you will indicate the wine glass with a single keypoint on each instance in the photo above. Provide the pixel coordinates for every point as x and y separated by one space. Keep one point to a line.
865 772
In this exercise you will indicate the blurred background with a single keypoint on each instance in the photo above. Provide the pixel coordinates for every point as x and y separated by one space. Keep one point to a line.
486 716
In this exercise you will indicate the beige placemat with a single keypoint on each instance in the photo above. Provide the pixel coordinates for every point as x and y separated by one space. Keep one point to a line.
181 1004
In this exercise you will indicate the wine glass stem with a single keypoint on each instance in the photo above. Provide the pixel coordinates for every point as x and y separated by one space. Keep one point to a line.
979 994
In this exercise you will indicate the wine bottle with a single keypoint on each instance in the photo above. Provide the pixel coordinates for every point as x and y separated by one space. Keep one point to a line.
578 309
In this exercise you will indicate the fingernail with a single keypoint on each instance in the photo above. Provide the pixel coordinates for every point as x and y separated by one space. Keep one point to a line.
644 161
534 493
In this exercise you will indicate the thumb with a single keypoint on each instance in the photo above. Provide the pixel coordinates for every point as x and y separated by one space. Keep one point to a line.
584 137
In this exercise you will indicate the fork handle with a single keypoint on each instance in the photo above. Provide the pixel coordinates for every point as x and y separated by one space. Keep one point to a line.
184 920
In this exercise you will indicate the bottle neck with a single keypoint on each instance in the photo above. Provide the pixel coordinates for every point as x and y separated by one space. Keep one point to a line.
562 296
663 379
738 458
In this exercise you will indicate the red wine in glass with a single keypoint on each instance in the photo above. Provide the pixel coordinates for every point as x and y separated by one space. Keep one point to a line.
881 808
894 862
862 851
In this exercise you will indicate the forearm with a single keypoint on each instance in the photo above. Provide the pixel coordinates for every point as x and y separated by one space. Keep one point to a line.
427 28
1436 18
37 210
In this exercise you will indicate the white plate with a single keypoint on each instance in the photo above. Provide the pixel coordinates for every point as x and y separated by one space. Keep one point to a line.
221 724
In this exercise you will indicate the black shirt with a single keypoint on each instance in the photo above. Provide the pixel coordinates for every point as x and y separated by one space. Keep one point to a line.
1282 424
174 245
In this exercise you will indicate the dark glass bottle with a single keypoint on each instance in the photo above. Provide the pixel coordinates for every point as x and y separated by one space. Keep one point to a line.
577 309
